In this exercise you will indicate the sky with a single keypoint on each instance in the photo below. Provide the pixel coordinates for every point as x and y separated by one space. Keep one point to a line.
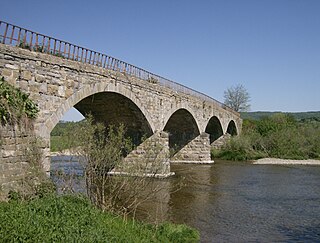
271 47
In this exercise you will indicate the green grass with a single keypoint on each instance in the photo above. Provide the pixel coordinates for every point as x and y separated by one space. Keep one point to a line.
74 219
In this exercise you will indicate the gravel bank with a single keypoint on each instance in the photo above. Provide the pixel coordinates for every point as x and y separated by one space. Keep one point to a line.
274 161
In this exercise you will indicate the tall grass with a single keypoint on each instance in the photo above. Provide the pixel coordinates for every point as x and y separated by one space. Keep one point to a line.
74 219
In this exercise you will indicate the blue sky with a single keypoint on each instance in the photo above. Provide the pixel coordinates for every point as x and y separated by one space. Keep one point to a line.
272 47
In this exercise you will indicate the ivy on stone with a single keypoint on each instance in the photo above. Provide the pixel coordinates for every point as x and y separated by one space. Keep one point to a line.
15 105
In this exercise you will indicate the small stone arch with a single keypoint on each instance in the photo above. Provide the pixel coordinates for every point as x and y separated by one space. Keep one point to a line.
85 92
232 128
182 128
180 106
214 128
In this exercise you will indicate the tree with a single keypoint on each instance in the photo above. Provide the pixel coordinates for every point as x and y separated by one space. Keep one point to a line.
237 98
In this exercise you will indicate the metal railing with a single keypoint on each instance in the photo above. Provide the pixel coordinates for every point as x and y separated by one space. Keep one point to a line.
16 36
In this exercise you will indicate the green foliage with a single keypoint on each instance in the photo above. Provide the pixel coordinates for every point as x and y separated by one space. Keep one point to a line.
75 219
63 136
279 136
101 150
275 123
45 188
102 147
23 44
40 48
153 80
178 233
244 147
15 104
299 116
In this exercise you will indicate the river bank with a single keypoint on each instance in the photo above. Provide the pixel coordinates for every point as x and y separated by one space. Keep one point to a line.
71 218
232 201
276 161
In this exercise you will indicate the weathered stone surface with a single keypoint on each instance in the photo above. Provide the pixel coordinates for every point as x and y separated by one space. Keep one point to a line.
26 75
58 84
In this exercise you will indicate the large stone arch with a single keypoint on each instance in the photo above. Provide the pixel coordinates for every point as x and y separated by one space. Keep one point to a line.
182 128
85 92
112 108
214 128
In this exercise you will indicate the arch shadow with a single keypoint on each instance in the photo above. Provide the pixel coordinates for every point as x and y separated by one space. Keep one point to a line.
214 129
112 108
182 128
90 91
232 129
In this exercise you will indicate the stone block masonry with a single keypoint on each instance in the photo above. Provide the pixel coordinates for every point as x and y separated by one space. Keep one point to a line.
196 151
16 155
145 106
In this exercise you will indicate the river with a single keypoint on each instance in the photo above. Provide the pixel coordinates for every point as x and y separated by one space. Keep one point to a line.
237 201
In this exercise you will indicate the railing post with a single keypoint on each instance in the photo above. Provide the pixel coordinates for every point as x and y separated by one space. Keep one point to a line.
36 40
90 57
81 54
25 37
59 47
43 43
54 46
49 45
64 49
69 50
85 58
5 34
19 35
74 51
12 33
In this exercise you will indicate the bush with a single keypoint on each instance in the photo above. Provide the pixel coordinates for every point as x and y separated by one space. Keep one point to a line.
277 136
239 148
15 105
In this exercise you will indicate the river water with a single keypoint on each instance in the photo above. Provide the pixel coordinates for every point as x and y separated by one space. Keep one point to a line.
237 201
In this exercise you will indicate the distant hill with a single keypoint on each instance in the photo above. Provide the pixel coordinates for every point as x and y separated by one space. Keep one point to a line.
297 115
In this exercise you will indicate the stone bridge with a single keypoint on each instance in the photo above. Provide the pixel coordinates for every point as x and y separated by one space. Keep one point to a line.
59 78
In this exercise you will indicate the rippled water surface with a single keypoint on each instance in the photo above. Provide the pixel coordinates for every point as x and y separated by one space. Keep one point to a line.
235 201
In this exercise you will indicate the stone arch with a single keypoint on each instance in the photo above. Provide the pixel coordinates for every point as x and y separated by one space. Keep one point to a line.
182 128
214 128
89 90
179 106
111 108
232 128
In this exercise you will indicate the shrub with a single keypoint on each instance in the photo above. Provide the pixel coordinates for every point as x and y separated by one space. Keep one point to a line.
239 148
15 105
276 136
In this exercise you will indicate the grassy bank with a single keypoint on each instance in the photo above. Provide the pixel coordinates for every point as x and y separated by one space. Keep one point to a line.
277 136
74 219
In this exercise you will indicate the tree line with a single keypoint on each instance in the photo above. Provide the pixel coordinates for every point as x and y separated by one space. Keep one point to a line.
279 135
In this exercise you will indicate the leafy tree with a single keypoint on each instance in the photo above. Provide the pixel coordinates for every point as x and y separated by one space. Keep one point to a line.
237 98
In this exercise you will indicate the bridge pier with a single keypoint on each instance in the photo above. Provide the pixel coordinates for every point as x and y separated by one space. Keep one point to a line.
150 158
196 151
218 144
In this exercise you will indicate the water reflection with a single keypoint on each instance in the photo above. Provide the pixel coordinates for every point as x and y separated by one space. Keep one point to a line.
233 201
